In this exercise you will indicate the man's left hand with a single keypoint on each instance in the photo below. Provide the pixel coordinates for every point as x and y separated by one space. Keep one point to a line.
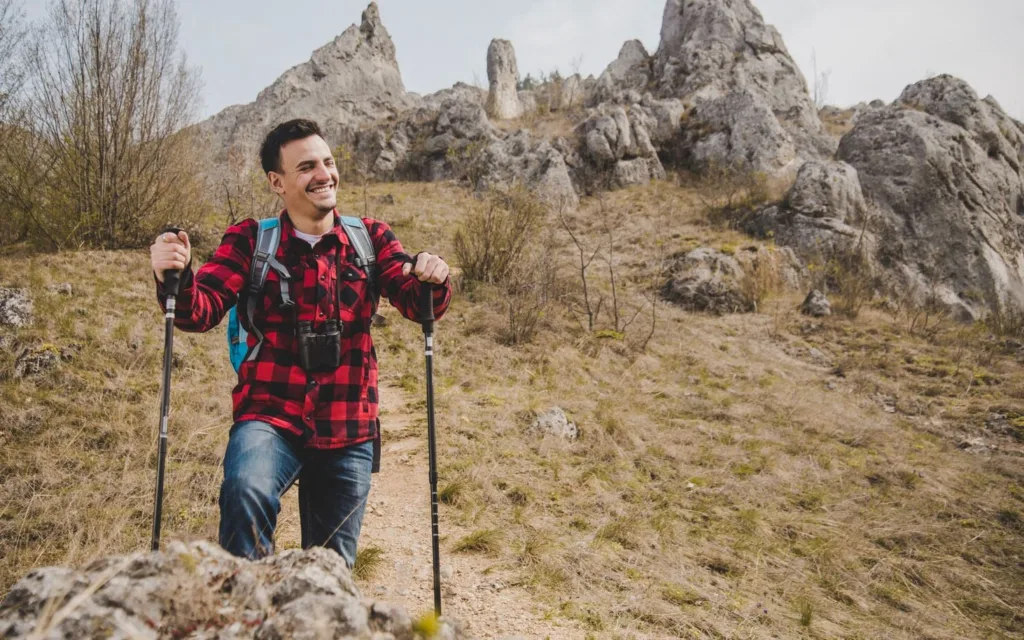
428 268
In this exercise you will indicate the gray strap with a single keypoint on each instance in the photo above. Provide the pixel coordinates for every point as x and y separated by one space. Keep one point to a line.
267 241
366 256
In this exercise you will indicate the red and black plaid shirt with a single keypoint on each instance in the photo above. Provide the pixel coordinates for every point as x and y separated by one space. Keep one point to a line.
332 409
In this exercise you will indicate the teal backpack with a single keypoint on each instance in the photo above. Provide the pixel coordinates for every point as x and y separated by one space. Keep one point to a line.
267 240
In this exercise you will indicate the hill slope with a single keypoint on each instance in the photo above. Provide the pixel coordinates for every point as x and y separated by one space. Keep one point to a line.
759 475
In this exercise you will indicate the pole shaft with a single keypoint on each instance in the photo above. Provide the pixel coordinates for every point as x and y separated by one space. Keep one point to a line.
165 410
428 336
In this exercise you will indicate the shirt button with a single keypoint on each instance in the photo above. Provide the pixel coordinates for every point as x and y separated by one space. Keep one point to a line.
323 277
308 418
321 314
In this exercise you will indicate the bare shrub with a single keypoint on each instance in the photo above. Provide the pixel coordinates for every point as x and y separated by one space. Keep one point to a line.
732 194
530 292
111 94
761 278
492 238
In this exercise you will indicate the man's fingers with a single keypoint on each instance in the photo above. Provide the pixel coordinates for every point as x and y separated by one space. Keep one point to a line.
184 239
406 268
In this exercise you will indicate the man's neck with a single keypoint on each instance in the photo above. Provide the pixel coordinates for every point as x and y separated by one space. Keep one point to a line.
315 225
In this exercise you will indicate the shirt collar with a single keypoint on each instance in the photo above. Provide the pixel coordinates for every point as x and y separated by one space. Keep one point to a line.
288 230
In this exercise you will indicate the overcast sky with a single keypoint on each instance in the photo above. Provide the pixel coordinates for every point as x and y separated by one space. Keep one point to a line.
872 48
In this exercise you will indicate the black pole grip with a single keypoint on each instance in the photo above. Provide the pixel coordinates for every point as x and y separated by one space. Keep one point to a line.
426 302
172 277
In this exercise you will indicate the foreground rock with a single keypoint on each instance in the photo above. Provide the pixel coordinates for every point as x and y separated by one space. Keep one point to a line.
200 591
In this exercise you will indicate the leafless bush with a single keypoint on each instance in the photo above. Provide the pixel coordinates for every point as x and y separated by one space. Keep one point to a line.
243 191
531 290
732 194
110 94
493 237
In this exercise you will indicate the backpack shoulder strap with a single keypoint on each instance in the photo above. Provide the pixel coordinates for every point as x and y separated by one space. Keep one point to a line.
366 258
268 238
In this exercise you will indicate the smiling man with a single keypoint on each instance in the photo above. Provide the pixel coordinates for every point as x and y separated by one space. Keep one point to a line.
305 406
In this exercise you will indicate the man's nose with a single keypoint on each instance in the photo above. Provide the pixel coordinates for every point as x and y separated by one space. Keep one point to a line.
322 174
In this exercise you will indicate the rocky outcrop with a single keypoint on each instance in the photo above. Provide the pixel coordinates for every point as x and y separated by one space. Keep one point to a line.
458 142
200 591
503 76
347 83
617 143
747 100
932 188
631 71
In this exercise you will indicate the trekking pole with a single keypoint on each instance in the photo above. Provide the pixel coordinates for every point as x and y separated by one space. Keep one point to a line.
427 318
171 281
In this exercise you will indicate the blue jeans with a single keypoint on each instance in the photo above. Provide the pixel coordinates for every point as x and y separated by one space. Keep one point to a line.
262 462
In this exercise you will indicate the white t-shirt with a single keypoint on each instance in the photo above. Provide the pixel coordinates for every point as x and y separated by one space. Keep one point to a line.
308 237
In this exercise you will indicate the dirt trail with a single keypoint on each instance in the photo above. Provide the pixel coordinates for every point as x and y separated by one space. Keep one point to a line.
474 590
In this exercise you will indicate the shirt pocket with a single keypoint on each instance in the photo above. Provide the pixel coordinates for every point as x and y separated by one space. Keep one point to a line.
352 287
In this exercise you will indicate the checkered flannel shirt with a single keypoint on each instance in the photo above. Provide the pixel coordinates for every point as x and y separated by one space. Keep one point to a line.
331 409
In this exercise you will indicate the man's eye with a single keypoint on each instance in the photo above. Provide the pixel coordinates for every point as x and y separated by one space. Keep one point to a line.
330 163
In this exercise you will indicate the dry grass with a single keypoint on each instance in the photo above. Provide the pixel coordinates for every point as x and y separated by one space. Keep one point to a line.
762 475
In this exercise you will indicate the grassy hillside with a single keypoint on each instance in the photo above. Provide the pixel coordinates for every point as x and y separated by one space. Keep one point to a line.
746 476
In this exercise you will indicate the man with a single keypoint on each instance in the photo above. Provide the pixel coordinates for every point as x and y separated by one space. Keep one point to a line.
310 416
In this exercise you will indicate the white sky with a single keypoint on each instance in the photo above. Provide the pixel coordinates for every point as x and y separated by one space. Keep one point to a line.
874 48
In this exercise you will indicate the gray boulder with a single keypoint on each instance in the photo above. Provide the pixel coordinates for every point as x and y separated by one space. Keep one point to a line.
503 76
823 214
708 280
748 100
553 422
816 305
16 307
199 590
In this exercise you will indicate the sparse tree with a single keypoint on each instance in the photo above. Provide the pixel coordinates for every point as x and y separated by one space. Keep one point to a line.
111 94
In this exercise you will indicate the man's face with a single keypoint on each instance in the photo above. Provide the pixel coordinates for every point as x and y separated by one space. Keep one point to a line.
308 180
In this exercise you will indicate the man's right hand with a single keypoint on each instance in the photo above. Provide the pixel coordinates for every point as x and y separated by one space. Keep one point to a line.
170 252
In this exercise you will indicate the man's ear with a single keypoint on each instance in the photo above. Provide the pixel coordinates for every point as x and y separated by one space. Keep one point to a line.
276 182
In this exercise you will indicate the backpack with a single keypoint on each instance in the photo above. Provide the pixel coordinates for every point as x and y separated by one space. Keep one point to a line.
267 240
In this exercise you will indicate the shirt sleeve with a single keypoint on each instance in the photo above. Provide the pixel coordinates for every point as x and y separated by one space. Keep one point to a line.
404 292
206 295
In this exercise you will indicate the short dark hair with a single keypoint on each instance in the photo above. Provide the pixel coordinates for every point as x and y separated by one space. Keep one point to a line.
282 134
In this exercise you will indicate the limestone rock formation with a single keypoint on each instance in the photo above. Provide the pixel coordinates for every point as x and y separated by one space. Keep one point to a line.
747 101
616 141
932 187
945 171
200 591
457 141
630 71
503 76
347 83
